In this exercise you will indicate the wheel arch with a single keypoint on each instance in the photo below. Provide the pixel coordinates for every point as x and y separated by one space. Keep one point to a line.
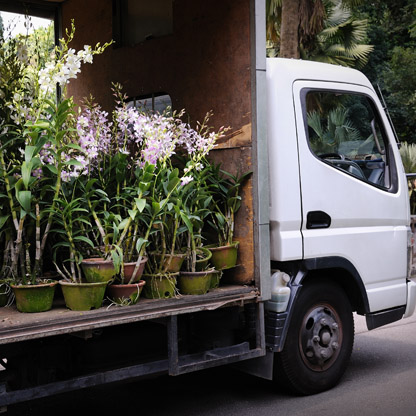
333 269
341 271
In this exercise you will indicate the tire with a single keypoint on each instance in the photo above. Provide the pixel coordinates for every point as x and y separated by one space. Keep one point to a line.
319 340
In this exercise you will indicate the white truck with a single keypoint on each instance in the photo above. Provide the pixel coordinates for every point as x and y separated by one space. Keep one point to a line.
339 213
324 226
339 241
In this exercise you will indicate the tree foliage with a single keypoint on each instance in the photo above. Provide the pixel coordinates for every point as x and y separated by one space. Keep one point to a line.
392 64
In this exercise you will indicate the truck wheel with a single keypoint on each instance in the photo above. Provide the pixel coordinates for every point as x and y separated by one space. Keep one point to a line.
319 340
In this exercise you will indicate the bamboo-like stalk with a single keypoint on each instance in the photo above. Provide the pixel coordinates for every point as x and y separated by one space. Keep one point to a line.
163 251
97 222
18 247
72 250
142 249
124 233
134 241
52 211
27 264
22 267
37 269
60 272
8 191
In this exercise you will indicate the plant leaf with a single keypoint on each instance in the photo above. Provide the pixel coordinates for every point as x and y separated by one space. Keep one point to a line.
24 198
140 204
84 239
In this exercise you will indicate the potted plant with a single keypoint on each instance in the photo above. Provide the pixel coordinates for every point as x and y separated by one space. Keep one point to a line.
169 218
226 202
33 157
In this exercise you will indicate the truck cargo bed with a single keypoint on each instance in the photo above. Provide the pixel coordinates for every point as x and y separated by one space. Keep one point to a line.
16 326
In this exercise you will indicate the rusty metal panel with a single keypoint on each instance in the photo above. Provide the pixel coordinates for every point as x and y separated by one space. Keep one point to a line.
204 65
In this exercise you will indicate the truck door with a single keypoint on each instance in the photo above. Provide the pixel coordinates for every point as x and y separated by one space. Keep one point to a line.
354 194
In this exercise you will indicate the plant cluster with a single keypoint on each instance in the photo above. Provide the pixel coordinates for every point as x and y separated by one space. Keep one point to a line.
88 183
38 146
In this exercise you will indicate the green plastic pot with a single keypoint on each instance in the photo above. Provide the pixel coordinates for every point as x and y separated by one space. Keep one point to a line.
160 286
34 298
195 283
83 296
98 270
224 257
203 257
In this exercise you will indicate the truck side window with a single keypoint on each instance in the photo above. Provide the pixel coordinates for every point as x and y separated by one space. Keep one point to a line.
344 131
159 103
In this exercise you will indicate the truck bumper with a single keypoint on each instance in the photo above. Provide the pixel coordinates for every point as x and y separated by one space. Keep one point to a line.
411 298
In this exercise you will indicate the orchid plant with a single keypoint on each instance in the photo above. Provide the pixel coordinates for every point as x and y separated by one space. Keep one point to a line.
225 203
37 156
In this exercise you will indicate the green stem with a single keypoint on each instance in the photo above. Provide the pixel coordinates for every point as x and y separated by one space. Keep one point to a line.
53 206
97 222
142 250
8 190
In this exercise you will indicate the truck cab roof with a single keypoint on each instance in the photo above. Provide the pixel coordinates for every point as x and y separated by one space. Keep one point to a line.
290 70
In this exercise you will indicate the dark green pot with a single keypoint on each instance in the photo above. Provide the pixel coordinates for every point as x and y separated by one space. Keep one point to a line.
83 296
34 298
195 283
204 256
224 257
160 286
98 270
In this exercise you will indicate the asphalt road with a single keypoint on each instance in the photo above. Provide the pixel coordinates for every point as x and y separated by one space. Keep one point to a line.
381 380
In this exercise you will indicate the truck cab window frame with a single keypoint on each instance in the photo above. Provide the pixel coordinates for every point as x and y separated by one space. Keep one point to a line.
345 131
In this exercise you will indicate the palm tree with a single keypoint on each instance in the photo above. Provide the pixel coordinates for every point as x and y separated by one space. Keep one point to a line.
340 40
312 29
292 22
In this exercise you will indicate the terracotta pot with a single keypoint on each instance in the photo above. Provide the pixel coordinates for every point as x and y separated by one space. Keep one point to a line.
224 257
34 298
129 269
160 286
127 292
175 262
98 270
83 296
195 283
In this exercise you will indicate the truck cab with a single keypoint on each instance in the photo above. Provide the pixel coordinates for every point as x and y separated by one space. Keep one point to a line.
339 210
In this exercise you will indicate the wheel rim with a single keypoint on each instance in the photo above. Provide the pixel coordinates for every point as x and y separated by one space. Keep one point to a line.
320 337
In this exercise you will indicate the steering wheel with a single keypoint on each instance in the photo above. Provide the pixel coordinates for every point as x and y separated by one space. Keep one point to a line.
345 164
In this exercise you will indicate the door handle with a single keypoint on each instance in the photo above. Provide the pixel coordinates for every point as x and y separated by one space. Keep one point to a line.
317 219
